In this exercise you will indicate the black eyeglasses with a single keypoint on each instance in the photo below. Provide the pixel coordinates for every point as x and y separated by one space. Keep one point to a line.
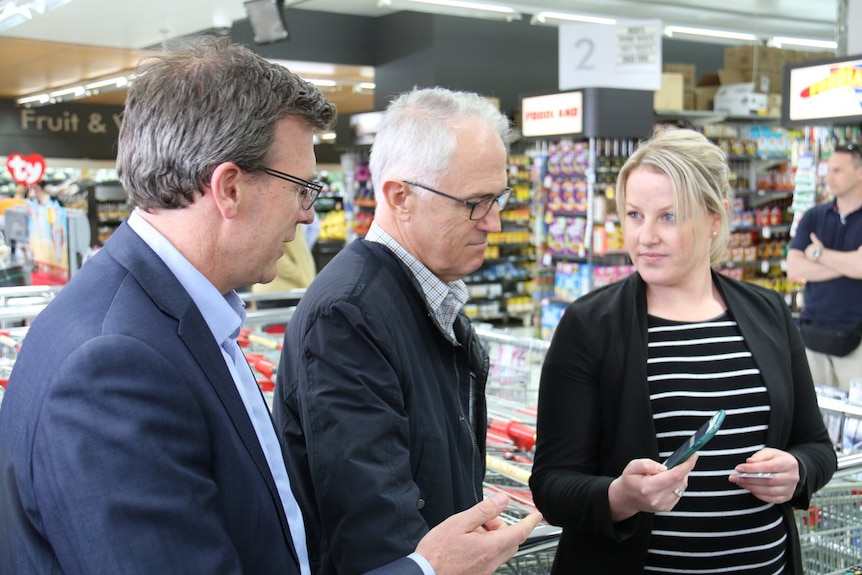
478 210
307 194
850 149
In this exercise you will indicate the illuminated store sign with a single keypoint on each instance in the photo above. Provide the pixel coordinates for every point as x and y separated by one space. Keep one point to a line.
828 92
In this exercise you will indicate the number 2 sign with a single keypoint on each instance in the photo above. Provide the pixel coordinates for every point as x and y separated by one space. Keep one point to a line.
622 55
26 170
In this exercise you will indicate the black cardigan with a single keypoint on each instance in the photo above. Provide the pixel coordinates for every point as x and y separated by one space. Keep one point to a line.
595 417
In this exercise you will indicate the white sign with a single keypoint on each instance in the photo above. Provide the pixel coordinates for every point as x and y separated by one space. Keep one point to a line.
622 55
552 115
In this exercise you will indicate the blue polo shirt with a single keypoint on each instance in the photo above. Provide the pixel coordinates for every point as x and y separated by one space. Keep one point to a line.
840 300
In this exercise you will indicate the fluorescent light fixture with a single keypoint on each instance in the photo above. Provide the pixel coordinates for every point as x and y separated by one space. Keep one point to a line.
364 87
557 18
40 99
77 91
15 12
319 138
300 67
13 15
455 8
672 30
779 41
322 82
115 83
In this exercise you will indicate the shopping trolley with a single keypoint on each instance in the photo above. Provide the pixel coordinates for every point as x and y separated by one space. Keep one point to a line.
511 439
830 530
515 364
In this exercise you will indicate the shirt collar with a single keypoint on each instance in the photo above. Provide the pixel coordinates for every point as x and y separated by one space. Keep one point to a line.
444 299
223 314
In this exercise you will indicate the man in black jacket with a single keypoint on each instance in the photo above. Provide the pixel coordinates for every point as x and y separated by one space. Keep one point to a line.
380 393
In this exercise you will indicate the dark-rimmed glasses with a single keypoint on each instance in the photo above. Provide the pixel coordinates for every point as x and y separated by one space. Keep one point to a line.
307 194
479 209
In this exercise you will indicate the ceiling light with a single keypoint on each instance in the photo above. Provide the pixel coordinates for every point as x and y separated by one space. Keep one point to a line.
455 8
364 87
76 91
557 18
301 68
116 83
15 12
328 137
779 41
40 99
673 30
323 83
13 15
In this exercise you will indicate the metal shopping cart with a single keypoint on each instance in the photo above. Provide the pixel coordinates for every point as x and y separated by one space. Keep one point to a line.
536 555
515 363
830 530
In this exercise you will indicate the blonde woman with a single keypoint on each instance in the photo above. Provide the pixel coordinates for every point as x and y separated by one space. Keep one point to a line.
636 367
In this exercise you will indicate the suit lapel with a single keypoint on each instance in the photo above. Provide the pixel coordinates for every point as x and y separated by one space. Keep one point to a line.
168 294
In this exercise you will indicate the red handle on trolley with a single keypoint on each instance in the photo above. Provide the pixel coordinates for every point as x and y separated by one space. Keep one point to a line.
522 435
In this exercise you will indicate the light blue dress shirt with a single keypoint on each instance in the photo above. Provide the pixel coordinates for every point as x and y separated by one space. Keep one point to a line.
225 315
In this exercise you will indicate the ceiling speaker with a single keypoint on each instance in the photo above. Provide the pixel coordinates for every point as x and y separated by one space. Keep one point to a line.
267 20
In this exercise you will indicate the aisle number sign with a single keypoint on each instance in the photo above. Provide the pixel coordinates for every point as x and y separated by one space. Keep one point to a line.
624 55
553 114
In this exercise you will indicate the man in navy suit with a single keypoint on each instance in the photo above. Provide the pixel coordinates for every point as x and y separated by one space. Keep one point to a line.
133 437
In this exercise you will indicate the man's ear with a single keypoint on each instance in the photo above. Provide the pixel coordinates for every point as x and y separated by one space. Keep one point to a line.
228 183
397 195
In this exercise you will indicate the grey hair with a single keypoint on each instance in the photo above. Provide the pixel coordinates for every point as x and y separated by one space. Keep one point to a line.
189 111
417 135
698 172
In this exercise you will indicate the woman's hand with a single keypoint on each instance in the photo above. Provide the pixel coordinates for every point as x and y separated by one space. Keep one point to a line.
780 486
648 486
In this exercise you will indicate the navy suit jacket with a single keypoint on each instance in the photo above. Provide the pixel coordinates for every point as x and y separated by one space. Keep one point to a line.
124 444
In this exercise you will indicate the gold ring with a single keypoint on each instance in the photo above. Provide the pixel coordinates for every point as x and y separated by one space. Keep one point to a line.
677 492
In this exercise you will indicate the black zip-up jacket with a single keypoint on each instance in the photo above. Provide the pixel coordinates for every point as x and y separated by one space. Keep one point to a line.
373 405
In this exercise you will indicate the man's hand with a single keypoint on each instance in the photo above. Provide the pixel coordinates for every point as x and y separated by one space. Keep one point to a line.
475 541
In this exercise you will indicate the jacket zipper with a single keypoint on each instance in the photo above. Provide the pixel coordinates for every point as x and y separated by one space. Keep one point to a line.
474 445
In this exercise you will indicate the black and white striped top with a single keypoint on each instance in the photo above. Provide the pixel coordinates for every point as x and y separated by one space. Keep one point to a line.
695 369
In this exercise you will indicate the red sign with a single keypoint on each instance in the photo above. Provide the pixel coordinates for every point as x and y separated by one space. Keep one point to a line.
26 170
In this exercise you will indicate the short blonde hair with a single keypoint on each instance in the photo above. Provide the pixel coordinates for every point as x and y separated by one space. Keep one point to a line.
698 172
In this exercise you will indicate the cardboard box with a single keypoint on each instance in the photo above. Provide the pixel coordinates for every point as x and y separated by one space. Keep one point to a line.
687 71
688 99
740 100
769 81
732 76
806 56
765 80
709 79
752 57
670 96
704 96
774 106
